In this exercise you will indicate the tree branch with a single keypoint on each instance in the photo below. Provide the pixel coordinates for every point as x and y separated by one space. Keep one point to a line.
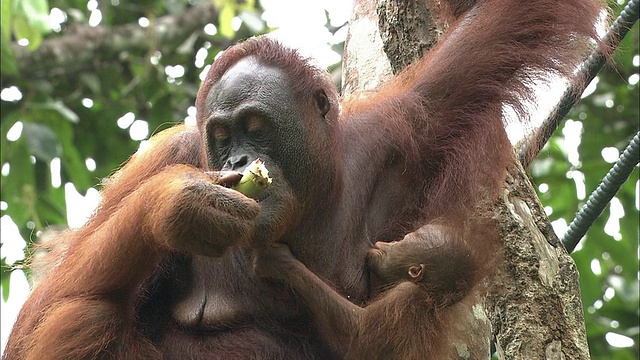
85 47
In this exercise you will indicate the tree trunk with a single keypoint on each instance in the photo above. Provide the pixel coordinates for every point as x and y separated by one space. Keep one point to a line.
533 308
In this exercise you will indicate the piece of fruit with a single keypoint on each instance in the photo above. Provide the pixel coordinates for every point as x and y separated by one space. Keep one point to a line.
255 179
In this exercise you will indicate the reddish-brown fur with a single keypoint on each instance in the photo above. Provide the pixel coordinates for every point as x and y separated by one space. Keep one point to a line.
429 144
451 272
412 317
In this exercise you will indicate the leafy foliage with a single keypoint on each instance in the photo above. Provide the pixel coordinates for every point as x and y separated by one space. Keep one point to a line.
24 19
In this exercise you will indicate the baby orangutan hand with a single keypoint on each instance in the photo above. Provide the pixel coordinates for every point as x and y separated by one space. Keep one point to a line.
274 261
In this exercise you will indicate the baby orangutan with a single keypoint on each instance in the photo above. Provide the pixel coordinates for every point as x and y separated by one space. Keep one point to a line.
421 276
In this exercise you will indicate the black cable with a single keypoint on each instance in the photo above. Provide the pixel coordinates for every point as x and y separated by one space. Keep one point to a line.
590 69
603 194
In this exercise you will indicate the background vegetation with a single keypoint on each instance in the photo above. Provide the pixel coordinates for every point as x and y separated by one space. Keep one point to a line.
84 83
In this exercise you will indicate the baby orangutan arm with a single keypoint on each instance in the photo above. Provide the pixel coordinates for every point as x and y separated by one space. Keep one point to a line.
422 276
337 318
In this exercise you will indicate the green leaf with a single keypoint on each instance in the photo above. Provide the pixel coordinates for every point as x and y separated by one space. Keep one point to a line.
21 175
51 206
21 28
8 60
6 279
31 21
60 108
92 81
36 12
6 13
227 13
42 141
72 162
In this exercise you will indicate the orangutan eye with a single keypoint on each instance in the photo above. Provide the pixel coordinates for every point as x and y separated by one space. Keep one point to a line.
254 123
220 133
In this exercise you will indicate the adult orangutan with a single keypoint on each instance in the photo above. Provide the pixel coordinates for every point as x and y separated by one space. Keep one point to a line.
164 267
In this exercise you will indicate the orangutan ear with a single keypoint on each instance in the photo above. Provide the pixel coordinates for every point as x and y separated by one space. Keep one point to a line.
322 101
416 272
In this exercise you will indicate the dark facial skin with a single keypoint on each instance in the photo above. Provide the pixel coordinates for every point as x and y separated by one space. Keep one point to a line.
252 112
250 115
